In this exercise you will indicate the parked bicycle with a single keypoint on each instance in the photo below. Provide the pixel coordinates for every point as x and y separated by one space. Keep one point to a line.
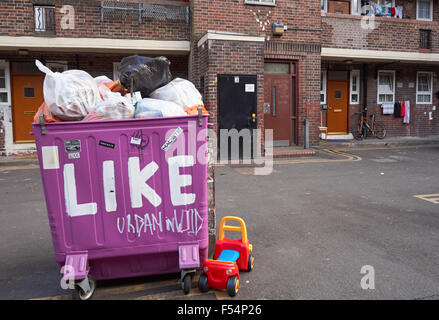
368 127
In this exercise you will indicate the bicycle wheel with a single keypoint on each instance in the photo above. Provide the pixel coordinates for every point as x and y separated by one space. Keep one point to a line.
357 133
380 130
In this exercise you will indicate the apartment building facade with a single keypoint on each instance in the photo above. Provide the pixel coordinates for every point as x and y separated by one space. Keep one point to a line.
267 64
376 53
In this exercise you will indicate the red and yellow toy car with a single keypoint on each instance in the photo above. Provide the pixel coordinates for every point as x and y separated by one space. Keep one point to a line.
230 256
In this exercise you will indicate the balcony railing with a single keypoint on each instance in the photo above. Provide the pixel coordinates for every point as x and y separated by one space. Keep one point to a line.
145 9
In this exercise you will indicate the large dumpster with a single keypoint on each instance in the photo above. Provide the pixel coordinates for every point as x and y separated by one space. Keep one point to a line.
125 198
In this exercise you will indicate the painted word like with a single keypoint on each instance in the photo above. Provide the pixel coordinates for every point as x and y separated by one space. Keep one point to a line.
189 221
139 188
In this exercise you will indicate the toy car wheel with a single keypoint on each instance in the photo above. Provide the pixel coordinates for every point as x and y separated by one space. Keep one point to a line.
186 284
80 294
202 283
232 286
251 262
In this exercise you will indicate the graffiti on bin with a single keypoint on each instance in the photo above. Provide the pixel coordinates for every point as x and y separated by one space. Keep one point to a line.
190 222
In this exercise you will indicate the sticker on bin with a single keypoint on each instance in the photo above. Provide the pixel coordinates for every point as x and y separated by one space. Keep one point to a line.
172 139
74 155
72 145
106 144
135 140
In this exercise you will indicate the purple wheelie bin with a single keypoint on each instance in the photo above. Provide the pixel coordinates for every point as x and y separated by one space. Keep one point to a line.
125 198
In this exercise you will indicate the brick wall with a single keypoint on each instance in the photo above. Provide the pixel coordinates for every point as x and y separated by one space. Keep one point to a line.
95 64
419 125
345 31
18 20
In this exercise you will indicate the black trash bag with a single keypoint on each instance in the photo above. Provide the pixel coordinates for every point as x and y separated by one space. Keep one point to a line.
146 74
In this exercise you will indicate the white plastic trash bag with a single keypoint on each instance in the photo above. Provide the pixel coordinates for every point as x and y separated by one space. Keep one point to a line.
153 108
70 95
179 91
114 106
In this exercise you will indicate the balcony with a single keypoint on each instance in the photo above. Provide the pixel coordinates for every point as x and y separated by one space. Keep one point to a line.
379 33
145 10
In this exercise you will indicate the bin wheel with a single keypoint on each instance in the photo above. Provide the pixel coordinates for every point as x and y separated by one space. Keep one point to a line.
202 283
232 286
186 284
79 294
251 262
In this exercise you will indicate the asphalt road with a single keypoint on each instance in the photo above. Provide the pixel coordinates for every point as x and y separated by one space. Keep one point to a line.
313 225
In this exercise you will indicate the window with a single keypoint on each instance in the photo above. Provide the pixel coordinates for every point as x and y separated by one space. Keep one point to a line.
323 87
424 39
57 66
116 71
324 5
261 2
424 10
356 7
386 3
4 83
386 86
44 17
424 87
355 87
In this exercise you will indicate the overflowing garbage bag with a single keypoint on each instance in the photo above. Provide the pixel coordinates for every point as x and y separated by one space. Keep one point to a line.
113 106
74 95
144 74
153 108
47 114
70 95
181 92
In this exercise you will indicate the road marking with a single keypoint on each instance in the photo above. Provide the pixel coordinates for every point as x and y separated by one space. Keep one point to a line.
348 158
24 167
389 147
433 198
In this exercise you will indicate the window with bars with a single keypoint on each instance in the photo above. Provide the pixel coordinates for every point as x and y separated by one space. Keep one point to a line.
424 39
44 17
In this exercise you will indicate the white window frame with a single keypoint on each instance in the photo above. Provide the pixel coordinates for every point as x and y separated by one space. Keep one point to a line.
351 91
63 64
43 9
115 72
431 11
356 10
430 93
323 85
5 65
271 3
378 87
325 5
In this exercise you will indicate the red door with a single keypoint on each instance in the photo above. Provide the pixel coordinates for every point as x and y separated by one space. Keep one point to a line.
278 107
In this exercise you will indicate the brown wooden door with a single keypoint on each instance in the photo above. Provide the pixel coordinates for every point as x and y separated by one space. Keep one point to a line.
337 102
27 96
277 116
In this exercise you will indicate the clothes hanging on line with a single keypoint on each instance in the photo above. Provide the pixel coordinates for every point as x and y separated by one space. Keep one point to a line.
388 107
402 108
397 110
407 112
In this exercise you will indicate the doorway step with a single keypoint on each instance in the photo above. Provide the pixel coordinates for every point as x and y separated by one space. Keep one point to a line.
291 152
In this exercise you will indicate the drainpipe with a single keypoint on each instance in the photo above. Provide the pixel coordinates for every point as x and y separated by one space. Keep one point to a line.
306 124
365 76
